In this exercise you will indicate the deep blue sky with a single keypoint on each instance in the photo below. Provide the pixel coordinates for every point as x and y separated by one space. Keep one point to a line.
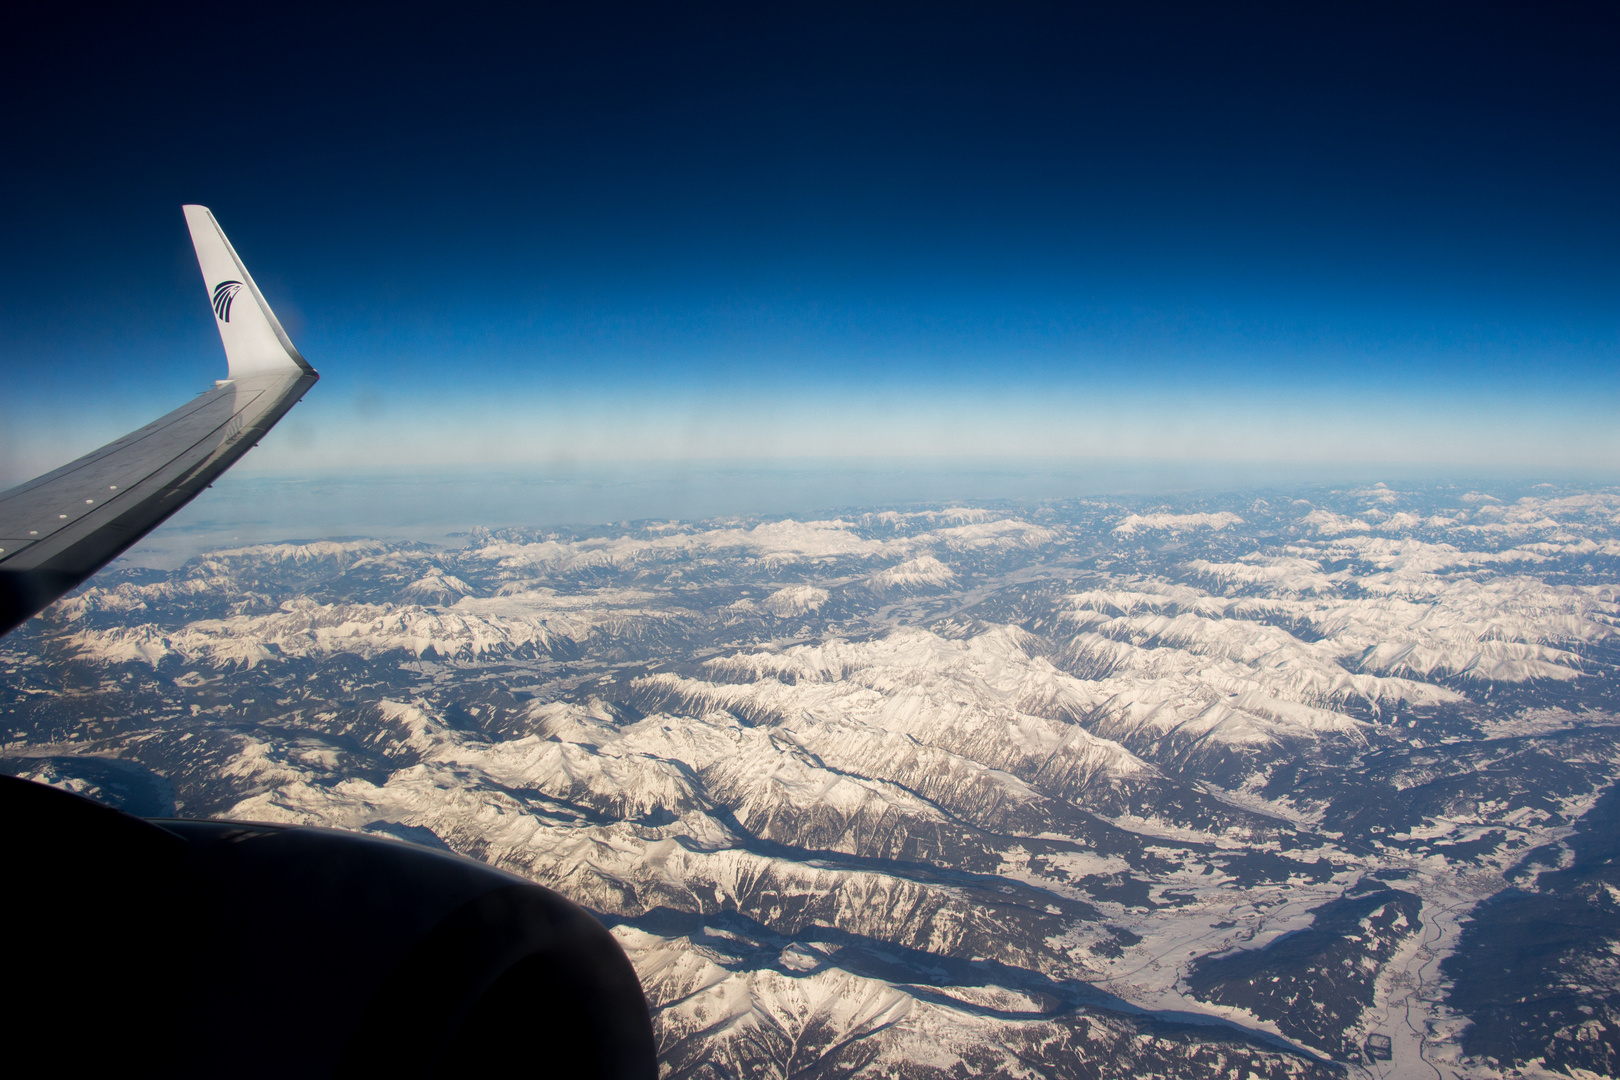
1292 232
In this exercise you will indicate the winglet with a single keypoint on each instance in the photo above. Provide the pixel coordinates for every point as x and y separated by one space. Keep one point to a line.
255 343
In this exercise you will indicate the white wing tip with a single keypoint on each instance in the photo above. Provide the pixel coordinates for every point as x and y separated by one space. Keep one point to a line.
254 340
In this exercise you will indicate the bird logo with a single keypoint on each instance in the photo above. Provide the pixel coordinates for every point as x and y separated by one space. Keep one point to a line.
224 293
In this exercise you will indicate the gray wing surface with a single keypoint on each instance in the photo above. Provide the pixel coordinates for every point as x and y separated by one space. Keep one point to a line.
61 528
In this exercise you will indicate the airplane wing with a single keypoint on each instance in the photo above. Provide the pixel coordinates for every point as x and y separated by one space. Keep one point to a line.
359 956
59 529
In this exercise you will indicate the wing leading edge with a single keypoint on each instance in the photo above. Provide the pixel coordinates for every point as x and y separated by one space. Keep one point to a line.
59 529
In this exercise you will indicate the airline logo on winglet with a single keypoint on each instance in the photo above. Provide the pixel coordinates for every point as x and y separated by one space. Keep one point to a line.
224 293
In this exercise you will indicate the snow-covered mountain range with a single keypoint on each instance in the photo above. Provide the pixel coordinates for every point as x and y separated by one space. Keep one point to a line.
1213 787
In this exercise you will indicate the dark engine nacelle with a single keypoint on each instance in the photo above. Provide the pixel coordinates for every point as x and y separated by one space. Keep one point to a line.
221 948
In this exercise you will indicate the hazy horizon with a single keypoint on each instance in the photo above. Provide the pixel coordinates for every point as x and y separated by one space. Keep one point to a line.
440 506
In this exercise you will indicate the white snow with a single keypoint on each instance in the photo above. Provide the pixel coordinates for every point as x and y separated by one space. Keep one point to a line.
795 600
1135 523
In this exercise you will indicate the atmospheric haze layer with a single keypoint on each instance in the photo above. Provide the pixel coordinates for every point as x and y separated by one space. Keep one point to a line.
1211 788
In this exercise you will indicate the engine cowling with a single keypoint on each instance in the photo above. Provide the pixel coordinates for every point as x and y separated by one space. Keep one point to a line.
210 947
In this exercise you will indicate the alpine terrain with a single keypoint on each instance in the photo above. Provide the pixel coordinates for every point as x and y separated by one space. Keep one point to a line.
1277 784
